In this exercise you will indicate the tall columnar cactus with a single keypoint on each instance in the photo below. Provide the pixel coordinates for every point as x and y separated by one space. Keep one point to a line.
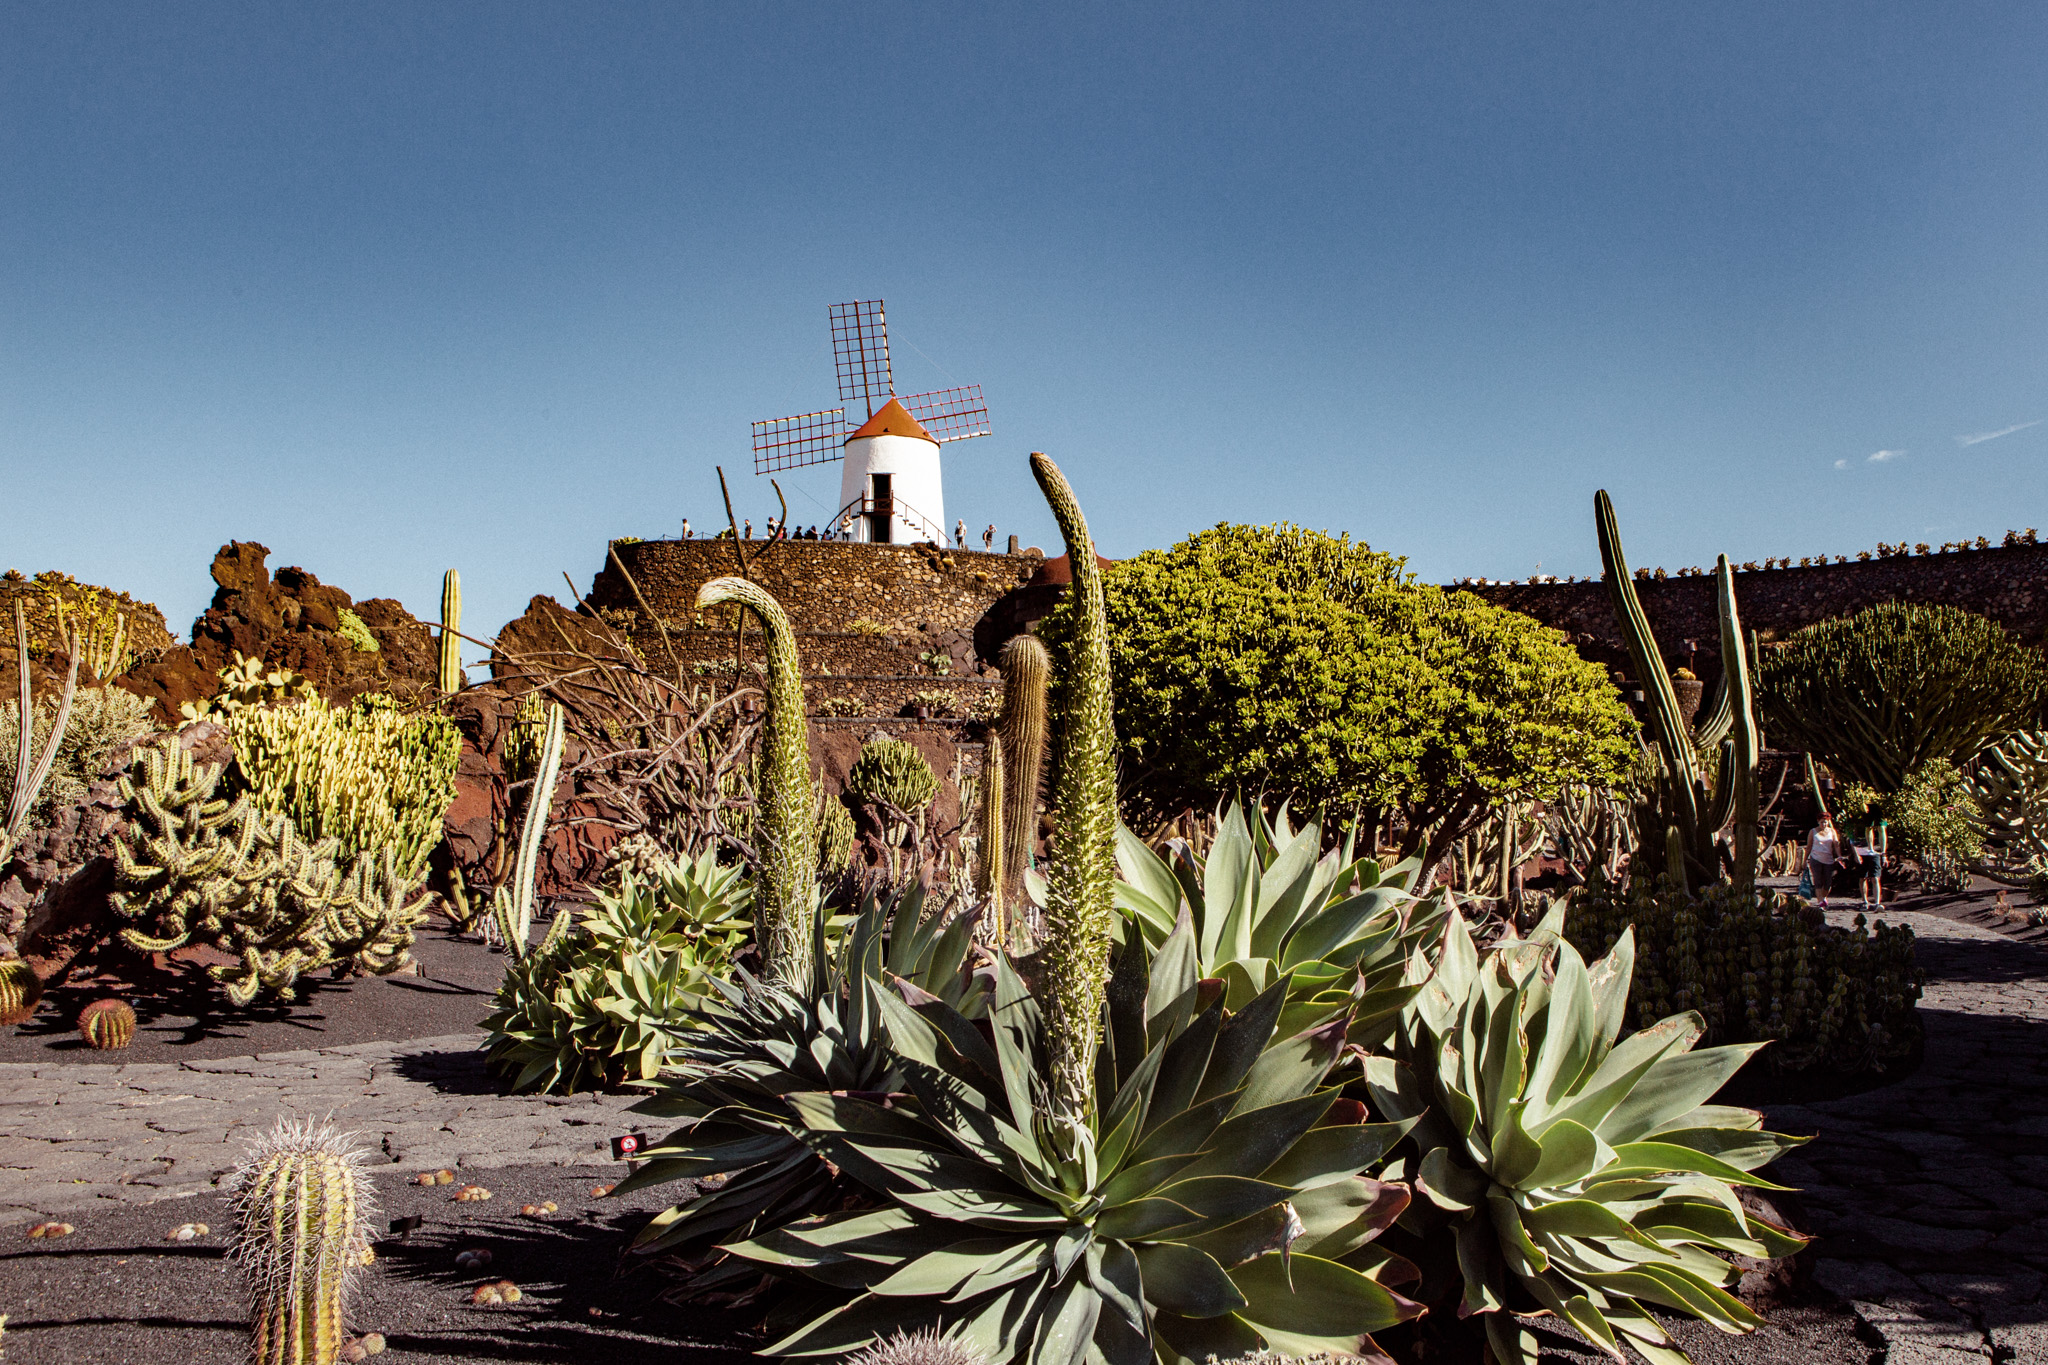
1081 881
786 838
992 879
451 642
302 1212
1691 813
29 779
513 907
1027 676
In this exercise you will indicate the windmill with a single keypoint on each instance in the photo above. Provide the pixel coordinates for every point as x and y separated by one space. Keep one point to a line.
890 491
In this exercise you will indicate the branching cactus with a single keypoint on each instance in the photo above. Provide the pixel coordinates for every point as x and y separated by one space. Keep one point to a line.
451 642
1027 674
302 1213
1081 885
787 827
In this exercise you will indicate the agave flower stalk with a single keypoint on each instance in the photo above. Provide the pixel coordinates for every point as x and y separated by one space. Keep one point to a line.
788 843
1081 883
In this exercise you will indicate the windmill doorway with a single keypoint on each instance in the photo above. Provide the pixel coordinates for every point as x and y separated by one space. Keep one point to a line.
881 507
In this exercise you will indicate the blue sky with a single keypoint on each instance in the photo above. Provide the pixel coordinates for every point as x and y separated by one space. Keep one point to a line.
394 287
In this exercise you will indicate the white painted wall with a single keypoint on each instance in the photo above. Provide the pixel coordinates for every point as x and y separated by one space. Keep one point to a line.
913 464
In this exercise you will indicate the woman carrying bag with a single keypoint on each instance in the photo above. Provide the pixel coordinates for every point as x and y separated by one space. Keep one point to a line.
1825 850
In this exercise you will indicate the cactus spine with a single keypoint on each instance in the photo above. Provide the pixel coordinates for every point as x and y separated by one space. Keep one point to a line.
20 990
107 1024
1027 676
1082 874
451 642
513 908
1691 813
302 1232
788 831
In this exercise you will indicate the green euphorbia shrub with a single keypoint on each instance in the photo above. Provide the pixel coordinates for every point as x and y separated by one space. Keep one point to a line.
1312 667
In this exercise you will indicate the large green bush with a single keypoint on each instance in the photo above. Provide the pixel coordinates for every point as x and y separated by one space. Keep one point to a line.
1878 694
1280 659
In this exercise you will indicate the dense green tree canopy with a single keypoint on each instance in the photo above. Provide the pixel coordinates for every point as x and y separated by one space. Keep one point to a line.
1277 659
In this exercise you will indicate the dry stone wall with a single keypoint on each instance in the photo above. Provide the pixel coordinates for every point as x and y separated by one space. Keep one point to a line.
2009 584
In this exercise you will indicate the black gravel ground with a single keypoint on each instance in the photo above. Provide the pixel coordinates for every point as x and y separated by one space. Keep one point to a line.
116 1293
182 1016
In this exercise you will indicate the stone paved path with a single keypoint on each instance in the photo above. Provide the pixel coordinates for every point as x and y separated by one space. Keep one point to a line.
1931 1196
73 1137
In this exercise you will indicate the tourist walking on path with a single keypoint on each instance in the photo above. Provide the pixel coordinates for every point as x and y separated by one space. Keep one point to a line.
1823 851
960 534
686 528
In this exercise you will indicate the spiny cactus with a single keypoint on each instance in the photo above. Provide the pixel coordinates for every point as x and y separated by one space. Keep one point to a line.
302 1212
191 866
1082 877
246 682
20 991
512 908
28 778
1027 677
786 839
891 772
451 642
1690 812
992 879
835 838
367 775
925 1347
107 1025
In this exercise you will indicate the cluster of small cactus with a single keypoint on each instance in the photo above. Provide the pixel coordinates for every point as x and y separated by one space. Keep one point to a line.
1758 968
107 1025
21 990
192 866
302 1213
246 682
892 774
367 776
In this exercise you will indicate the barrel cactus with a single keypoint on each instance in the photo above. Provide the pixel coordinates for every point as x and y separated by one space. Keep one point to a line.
302 1211
20 990
107 1025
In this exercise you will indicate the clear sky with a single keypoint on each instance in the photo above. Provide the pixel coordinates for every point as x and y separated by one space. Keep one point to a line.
395 287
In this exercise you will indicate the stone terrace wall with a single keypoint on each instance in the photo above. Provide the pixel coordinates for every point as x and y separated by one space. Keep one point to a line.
2009 584
825 586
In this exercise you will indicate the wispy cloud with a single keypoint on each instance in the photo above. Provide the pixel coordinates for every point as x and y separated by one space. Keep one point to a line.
1879 457
1841 464
1983 436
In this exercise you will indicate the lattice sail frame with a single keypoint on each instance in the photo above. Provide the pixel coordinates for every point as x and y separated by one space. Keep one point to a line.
860 354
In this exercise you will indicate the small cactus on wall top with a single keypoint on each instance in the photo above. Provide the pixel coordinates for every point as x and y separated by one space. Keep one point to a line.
302 1211
107 1025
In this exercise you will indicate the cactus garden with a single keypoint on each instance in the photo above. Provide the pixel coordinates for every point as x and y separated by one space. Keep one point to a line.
1165 1014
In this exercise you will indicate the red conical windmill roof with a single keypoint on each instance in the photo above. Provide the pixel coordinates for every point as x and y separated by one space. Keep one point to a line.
892 419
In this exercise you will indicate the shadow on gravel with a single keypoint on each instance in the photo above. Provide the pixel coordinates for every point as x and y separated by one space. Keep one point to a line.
457 1072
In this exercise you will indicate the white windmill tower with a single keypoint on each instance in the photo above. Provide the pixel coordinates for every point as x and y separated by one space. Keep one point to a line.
890 492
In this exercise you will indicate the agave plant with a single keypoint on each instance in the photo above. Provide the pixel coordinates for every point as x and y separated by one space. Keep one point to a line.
610 999
768 1041
1214 1206
1268 902
1579 1175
